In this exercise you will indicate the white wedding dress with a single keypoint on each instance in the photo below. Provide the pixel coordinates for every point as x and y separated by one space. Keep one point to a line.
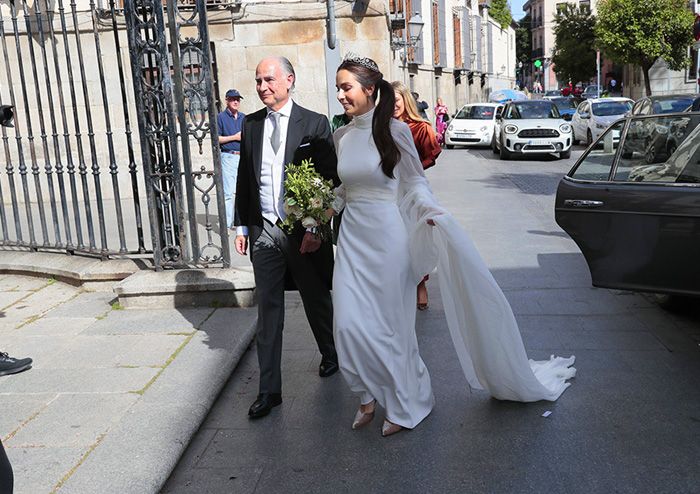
384 249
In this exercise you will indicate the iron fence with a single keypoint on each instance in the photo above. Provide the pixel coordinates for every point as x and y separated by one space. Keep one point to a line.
77 179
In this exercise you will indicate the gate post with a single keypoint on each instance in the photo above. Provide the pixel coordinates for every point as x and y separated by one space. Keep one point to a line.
196 112
154 103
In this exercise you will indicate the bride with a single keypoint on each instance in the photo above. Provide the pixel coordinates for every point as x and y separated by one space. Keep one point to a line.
394 232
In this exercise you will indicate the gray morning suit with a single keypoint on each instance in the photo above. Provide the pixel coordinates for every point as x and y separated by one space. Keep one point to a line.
277 262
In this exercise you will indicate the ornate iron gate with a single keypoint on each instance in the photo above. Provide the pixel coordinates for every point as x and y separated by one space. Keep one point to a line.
74 152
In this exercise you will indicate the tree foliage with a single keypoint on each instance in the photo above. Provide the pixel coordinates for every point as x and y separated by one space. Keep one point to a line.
523 40
500 11
640 34
574 55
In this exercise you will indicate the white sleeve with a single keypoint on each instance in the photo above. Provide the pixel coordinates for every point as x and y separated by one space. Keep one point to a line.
416 201
339 202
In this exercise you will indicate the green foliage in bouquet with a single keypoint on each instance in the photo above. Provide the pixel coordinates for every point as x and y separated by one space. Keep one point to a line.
307 196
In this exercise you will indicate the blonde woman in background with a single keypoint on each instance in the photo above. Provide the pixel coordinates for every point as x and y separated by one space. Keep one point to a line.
428 148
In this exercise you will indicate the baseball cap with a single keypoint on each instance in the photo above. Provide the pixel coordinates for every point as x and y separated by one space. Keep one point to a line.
233 93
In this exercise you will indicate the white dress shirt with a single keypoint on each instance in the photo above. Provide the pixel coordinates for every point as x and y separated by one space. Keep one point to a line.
272 169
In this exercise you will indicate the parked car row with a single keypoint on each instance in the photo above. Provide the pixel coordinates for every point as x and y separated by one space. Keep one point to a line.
538 126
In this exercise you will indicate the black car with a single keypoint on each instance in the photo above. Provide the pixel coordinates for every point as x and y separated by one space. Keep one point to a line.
637 224
657 105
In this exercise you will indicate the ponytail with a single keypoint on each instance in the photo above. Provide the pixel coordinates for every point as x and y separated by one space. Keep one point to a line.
381 127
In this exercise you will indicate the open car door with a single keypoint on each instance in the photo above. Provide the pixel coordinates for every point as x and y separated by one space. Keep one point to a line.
632 205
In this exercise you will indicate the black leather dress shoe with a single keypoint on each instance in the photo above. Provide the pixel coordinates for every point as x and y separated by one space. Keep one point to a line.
263 405
327 368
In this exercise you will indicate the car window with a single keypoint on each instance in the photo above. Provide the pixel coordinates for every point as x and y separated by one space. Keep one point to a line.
671 105
476 112
610 108
564 103
600 157
661 149
532 109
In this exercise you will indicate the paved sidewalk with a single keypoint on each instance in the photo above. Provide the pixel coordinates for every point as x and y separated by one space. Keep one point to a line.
628 424
114 395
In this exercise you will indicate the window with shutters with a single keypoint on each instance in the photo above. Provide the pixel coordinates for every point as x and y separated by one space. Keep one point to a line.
457 28
396 6
436 33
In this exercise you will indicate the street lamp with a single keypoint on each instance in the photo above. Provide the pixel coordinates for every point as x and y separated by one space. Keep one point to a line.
415 28
410 37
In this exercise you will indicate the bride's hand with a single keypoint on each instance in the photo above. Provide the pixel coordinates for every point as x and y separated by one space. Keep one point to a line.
330 212
431 222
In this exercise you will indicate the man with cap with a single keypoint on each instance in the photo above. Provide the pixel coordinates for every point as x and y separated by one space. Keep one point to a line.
230 123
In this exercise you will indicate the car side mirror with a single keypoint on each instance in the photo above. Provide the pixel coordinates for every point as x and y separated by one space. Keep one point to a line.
585 116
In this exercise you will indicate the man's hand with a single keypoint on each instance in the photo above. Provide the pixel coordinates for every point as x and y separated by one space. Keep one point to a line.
310 243
241 244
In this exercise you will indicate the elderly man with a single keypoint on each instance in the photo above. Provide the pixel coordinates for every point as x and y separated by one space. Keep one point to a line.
280 133
230 123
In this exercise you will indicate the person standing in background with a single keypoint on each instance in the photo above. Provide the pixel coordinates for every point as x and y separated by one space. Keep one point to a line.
421 106
230 123
440 120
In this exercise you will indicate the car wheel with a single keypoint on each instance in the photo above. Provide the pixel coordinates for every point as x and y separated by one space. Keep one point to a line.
650 155
494 146
565 155
450 146
505 154
589 138
674 303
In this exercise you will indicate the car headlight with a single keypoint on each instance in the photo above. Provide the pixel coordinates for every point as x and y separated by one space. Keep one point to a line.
565 128
600 126
510 129
450 128
484 128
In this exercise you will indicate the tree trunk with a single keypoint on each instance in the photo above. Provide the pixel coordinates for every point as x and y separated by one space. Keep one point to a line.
647 82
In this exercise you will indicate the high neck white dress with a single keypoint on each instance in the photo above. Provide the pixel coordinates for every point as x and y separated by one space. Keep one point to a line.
385 248
374 287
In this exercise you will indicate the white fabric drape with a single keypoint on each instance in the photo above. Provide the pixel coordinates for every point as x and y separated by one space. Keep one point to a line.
484 331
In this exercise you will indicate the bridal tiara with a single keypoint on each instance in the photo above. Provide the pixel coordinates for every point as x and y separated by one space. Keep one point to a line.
364 61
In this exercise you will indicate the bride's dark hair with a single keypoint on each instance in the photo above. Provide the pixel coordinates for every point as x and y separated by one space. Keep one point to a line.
368 74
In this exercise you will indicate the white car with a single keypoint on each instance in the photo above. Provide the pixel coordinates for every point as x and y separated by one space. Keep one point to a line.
593 116
473 124
529 127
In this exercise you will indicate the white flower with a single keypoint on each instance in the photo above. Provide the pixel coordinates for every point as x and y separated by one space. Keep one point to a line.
309 222
316 202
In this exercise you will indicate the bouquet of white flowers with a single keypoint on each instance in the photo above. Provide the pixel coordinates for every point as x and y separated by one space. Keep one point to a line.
307 196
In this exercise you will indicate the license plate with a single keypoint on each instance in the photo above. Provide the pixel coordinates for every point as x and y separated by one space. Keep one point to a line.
538 142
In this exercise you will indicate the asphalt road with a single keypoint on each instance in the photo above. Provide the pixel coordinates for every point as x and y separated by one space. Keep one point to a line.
630 422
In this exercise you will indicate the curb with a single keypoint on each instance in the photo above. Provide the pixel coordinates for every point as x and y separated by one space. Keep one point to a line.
140 452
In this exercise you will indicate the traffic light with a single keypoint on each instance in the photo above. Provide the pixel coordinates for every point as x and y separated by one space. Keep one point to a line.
7 113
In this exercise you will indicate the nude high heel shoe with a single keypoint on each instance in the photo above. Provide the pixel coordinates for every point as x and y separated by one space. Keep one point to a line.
389 428
364 418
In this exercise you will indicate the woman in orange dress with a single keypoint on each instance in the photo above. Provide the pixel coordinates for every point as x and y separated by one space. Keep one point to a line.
427 145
